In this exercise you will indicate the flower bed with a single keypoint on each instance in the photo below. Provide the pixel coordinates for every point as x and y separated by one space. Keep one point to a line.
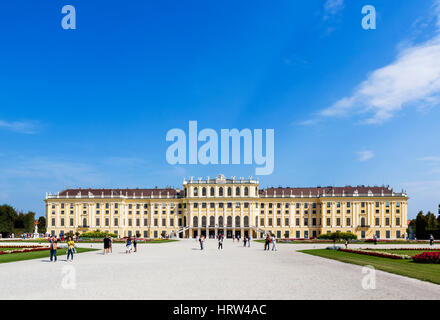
427 257
21 249
376 254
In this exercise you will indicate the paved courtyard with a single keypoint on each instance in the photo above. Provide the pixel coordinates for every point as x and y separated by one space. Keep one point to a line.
180 270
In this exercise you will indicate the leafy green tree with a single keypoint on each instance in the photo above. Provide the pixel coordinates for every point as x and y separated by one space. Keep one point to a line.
7 219
432 225
29 222
421 226
42 224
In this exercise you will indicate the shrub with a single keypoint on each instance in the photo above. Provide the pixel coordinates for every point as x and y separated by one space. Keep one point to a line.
96 234
427 257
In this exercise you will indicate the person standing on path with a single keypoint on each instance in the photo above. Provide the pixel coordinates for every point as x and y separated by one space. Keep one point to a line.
110 241
70 247
267 243
244 241
375 239
202 242
128 245
135 244
106 244
53 249
220 242
431 240
274 243
249 241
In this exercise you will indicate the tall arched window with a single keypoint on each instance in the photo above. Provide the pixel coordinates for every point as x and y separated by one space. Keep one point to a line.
237 221
85 222
220 221
229 191
203 192
195 221
246 191
212 192
237 191
229 220
362 222
196 192
204 221
211 221
246 221
220 191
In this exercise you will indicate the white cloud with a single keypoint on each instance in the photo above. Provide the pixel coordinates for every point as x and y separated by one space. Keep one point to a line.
413 78
430 159
365 155
333 6
27 127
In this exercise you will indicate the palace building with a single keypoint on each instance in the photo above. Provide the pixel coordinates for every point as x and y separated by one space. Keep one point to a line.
231 207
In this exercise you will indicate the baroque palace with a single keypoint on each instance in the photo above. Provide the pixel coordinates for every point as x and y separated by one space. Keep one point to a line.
231 207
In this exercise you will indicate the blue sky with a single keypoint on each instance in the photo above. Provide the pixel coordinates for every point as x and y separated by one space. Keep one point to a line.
91 107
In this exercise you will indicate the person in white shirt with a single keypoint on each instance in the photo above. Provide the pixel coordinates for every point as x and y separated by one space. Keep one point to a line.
274 243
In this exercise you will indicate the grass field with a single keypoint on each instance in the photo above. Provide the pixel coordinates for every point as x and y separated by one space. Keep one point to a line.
4 258
404 267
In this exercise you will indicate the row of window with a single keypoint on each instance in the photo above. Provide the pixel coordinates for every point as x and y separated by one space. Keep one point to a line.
221 191
229 220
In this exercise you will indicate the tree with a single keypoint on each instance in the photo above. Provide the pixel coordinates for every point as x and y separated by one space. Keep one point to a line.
42 224
29 222
7 218
432 225
421 226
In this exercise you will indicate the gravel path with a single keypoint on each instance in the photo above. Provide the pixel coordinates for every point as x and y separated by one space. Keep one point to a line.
180 270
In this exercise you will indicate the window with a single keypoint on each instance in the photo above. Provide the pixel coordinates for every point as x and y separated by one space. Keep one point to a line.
211 221
203 205
388 234
338 222
195 221
246 191
229 191
338 204
203 192
306 221
348 204
106 222
145 222
246 221
298 234
171 222
220 221
237 191
220 191
116 221
62 222
278 222
348 221
229 204
97 205
398 234
229 221
387 221
138 222
314 221
328 221
212 192
246 204
270 222
362 222
97 221
362 204
286 221
164 222
297 221
212 205
195 192
278 205
262 222
71 222
196 205
220 205
237 221
130 222
377 204
156 222
398 221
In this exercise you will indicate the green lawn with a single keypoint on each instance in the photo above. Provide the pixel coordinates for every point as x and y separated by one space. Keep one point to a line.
404 267
11 257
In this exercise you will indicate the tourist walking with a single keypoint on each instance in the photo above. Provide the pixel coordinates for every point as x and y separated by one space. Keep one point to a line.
128 245
274 243
431 240
135 244
249 241
53 249
375 239
70 247
267 242
220 243
244 241
202 241
106 244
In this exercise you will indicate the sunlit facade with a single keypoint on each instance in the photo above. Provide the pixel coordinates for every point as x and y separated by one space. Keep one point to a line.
231 207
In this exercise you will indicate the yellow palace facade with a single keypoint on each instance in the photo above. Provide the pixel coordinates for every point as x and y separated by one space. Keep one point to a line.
231 207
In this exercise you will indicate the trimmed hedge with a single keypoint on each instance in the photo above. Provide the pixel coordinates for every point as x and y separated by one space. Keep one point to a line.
96 234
